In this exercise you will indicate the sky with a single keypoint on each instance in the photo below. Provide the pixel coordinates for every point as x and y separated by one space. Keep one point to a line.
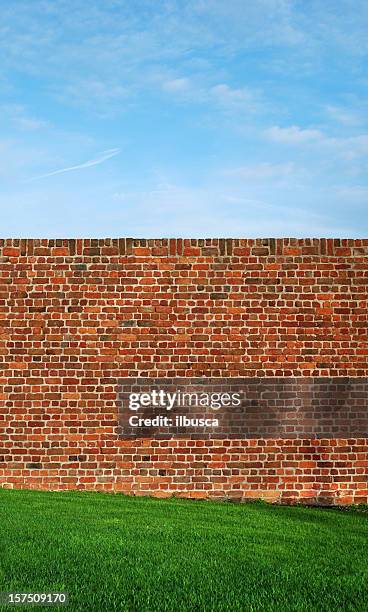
187 118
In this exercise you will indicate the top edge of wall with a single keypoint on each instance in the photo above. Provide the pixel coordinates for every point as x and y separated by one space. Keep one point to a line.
191 247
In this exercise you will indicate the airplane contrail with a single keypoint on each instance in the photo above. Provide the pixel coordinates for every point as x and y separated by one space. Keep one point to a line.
91 162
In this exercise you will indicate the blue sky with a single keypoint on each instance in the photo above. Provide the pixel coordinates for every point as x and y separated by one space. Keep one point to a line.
184 118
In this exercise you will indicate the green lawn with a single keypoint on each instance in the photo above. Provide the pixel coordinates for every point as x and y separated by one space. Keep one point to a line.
112 552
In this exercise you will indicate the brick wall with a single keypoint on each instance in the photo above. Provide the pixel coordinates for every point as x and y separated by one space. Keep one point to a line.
78 315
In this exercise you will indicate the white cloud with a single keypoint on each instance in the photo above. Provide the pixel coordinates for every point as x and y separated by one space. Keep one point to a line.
354 193
18 115
221 210
18 158
105 155
352 147
109 50
221 96
28 123
92 91
343 115
267 21
233 98
293 134
348 148
218 208
177 85
262 171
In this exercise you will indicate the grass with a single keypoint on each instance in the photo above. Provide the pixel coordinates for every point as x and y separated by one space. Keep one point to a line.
112 552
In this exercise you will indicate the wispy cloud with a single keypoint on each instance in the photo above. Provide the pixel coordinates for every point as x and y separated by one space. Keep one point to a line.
215 97
225 210
262 171
232 97
293 134
342 115
345 147
110 53
177 85
17 114
105 155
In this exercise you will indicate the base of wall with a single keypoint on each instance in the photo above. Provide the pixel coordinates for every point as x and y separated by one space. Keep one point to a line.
319 472
323 499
